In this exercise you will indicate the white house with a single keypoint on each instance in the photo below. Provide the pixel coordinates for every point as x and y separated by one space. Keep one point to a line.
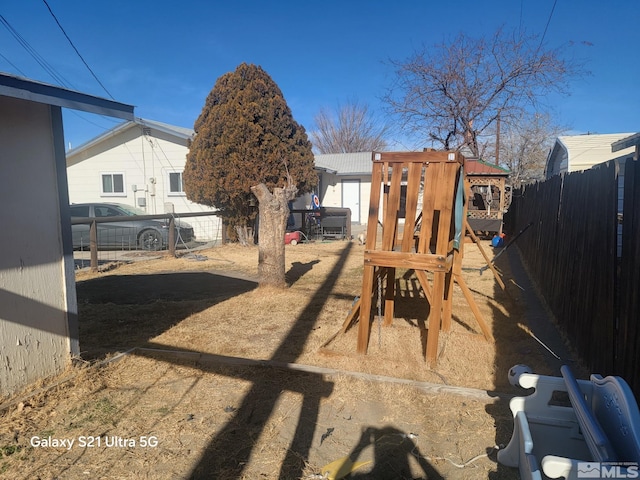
571 153
140 163
38 306
345 181
582 152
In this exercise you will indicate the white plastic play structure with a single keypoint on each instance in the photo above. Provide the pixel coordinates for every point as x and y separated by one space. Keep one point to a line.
572 427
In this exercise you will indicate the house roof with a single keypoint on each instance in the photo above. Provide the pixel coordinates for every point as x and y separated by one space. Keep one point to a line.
584 151
627 142
26 89
345 163
179 132
360 163
480 167
182 132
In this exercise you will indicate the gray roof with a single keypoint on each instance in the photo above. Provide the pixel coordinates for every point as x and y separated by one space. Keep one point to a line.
26 89
178 132
345 163
182 132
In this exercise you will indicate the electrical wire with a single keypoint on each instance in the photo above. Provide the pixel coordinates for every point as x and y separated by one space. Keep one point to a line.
13 65
35 55
76 50
544 33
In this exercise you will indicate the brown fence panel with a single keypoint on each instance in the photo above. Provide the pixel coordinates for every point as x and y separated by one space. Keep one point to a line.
628 335
571 251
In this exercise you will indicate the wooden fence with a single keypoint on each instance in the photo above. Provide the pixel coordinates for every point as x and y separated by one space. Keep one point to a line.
572 251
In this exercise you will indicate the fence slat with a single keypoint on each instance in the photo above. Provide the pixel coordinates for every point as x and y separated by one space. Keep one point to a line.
572 254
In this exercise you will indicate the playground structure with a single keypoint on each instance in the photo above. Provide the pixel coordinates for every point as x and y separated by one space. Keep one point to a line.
418 199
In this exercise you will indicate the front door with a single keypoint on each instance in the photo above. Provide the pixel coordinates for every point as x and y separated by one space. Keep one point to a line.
351 198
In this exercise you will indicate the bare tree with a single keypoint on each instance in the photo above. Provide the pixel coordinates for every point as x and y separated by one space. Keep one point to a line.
451 94
350 128
525 144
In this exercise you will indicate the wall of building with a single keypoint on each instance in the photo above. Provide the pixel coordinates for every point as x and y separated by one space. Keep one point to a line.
332 194
37 291
146 162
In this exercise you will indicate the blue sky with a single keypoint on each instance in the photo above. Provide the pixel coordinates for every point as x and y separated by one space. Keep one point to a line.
164 57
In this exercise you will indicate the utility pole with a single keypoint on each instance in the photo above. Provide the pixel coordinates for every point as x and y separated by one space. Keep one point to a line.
498 139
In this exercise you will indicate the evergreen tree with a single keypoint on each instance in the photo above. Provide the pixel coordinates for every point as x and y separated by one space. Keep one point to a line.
245 135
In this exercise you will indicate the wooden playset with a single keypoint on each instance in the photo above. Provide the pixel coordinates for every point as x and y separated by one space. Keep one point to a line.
417 198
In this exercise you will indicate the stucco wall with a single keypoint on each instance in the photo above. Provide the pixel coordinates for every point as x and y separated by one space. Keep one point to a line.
37 297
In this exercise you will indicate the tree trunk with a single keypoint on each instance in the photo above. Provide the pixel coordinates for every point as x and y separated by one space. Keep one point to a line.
243 235
273 211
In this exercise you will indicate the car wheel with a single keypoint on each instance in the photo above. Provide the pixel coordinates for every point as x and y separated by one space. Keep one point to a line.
150 240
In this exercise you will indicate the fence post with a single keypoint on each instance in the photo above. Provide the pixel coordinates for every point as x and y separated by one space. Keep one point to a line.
93 245
172 236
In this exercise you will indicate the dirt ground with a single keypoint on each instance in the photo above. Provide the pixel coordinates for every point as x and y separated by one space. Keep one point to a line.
220 379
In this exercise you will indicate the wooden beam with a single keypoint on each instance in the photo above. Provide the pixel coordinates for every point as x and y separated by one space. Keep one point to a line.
355 310
391 208
474 307
424 283
408 260
365 309
389 296
435 318
473 236
426 157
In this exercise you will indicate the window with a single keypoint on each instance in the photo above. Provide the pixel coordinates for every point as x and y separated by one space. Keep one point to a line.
80 211
113 184
175 183
106 211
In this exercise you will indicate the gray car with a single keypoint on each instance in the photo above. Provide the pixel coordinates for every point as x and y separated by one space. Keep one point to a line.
151 234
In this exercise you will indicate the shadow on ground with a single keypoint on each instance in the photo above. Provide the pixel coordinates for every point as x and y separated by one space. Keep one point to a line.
230 450
133 317
528 319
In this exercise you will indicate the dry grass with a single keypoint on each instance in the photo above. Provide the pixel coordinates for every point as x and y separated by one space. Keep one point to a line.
224 421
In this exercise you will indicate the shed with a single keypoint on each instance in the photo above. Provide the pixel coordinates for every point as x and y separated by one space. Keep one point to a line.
345 181
38 307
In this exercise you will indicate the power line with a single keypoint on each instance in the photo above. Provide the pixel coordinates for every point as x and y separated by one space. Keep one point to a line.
36 56
76 50
548 22
520 22
13 65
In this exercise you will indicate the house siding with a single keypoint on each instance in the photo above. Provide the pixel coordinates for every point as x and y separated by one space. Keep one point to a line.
145 160
338 168
37 288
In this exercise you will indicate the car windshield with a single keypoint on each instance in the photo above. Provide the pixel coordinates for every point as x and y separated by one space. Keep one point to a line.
129 210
